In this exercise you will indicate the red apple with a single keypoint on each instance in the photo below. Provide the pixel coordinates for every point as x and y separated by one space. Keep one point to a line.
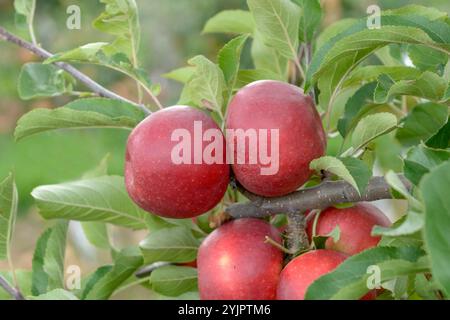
301 272
276 107
166 187
355 224
234 262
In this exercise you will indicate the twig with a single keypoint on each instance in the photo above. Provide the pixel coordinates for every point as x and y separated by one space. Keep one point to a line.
87 81
324 195
13 292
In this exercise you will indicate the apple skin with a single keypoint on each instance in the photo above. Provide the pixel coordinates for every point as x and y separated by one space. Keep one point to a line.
269 104
234 262
355 223
158 185
301 272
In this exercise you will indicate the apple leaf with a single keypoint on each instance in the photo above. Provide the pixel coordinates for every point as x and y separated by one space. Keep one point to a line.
267 58
121 19
353 106
173 281
48 259
106 279
372 127
352 170
43 80
422 123
182 75
230 21
175 244
311 16
421 159
98 199
250 75
55 294
229 58
277 22
440 140
81 113
428 85
367 74
434 188
24 12
412 223
206 86
350 279
8 213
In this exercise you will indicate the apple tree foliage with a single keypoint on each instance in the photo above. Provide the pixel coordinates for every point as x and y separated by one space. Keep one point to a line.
384 97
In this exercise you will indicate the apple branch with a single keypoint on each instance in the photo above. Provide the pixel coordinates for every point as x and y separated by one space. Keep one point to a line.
87 81
13 292
326 194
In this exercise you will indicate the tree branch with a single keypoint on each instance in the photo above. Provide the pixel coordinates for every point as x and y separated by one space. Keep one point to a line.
147 270
87 81
324 195
13 292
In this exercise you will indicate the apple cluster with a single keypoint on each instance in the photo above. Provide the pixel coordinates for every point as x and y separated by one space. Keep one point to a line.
235 261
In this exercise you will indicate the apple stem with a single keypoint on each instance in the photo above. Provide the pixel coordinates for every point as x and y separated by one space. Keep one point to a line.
269 240
297 239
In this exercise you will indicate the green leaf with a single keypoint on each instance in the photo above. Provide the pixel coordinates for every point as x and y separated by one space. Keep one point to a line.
103 282
43 80
434 188
357 173
99 199
173 281
277 21
87 52
351 46
349 279
248 76
230 21
371 127
267 58
367 74
97 234
170 244
421 159
48 259
24 12
207 85
422 123
121 18
441 140
182 75
413 222
353 107
427 59
311 16
229 58
56 294
397 185
429 86
82 113
8 212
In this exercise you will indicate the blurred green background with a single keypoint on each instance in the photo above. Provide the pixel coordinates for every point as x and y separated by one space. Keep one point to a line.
171 33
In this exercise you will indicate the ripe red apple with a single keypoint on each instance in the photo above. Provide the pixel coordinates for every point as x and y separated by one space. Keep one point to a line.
275 107
301 272
234 262
355 224
174 189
